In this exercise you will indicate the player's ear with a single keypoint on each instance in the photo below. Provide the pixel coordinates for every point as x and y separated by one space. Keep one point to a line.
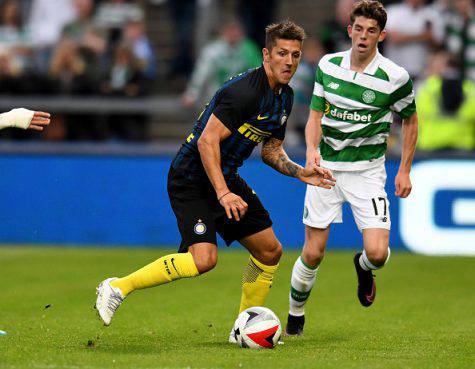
382 35
350 30
265 55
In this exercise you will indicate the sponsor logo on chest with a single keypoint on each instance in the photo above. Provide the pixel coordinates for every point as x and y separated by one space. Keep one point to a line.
252 133
349 115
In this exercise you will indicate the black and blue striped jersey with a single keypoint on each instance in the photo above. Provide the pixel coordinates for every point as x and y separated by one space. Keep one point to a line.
251 110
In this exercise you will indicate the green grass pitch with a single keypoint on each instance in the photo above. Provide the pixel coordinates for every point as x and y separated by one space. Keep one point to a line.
423 316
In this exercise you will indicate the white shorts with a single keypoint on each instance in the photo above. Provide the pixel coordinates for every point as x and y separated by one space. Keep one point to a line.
363 189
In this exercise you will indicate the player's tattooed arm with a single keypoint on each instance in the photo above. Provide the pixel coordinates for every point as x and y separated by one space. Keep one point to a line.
273 155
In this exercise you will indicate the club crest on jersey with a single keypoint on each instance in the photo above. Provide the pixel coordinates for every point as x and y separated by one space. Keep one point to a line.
200 227
283 119
368 96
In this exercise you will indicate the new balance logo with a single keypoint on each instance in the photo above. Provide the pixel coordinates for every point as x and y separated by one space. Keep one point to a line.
333 85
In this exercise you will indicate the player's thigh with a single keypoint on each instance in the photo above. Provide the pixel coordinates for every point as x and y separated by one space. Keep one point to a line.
365 192
376 244
255 220
322 206
315 243
264 246
195 213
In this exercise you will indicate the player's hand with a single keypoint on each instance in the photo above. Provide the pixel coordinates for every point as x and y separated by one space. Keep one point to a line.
313 159
403 185
318 176
234 205
39 121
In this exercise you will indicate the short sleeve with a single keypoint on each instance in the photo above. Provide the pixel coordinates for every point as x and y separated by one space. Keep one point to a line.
318 100
235 106
402 100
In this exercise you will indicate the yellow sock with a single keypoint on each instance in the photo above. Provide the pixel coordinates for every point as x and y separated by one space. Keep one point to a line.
256 283
166 269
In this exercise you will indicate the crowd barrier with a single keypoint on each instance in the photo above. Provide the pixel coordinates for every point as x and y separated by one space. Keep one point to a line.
111 200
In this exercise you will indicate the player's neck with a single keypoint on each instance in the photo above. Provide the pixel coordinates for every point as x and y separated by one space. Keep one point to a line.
358 63
273 83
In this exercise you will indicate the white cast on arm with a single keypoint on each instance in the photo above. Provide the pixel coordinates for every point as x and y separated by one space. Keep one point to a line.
19 118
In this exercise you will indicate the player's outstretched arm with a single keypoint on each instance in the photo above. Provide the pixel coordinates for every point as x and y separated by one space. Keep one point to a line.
410 129
274 155
24 118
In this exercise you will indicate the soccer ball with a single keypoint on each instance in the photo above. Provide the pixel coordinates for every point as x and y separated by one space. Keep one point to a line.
257 327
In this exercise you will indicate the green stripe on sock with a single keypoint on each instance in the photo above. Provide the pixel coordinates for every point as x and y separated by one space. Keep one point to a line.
308 266
298 295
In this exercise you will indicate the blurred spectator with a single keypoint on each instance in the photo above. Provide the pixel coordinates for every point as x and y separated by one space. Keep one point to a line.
47 19
89 38
113 15
461 36
256 16
334 34
413 28
303 83
14 38
116 13
73 73
12 33
68 68
183 13
135 36
446 107
231 54
76 29
125 79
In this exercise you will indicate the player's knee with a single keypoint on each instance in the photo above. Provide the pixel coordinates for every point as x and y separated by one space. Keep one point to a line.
205 260
313 256
271 254
378 257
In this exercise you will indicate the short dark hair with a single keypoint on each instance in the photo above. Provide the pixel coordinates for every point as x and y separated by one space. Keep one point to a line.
370 9
286 30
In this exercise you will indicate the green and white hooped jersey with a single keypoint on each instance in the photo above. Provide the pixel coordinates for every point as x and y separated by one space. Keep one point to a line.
358 109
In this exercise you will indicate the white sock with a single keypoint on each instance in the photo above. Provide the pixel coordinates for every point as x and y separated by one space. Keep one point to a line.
303 279
368 265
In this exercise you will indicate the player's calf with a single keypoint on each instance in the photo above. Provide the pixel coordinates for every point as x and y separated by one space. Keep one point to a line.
302 281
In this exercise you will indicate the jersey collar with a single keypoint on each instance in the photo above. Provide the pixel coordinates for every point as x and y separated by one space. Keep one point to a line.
370 69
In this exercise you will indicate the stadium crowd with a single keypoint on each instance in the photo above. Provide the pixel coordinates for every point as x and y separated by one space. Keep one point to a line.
102 47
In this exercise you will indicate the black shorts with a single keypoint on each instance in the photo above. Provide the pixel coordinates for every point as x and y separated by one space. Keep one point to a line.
199 214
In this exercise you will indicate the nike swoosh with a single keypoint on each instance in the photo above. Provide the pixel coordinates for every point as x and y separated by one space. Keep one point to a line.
370 297
261 118
173 263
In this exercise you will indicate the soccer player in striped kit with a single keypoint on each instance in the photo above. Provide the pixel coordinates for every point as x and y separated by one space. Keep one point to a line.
356 92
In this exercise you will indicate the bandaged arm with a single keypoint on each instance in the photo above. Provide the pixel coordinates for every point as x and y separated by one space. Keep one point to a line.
19 118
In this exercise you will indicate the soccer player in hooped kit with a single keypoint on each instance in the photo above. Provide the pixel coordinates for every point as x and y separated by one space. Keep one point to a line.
356 91
207 194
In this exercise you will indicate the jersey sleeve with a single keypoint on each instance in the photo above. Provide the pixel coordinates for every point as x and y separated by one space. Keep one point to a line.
235 105
402 100
318 100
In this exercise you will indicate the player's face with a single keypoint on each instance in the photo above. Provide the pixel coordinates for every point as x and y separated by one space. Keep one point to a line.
365 35
283 59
